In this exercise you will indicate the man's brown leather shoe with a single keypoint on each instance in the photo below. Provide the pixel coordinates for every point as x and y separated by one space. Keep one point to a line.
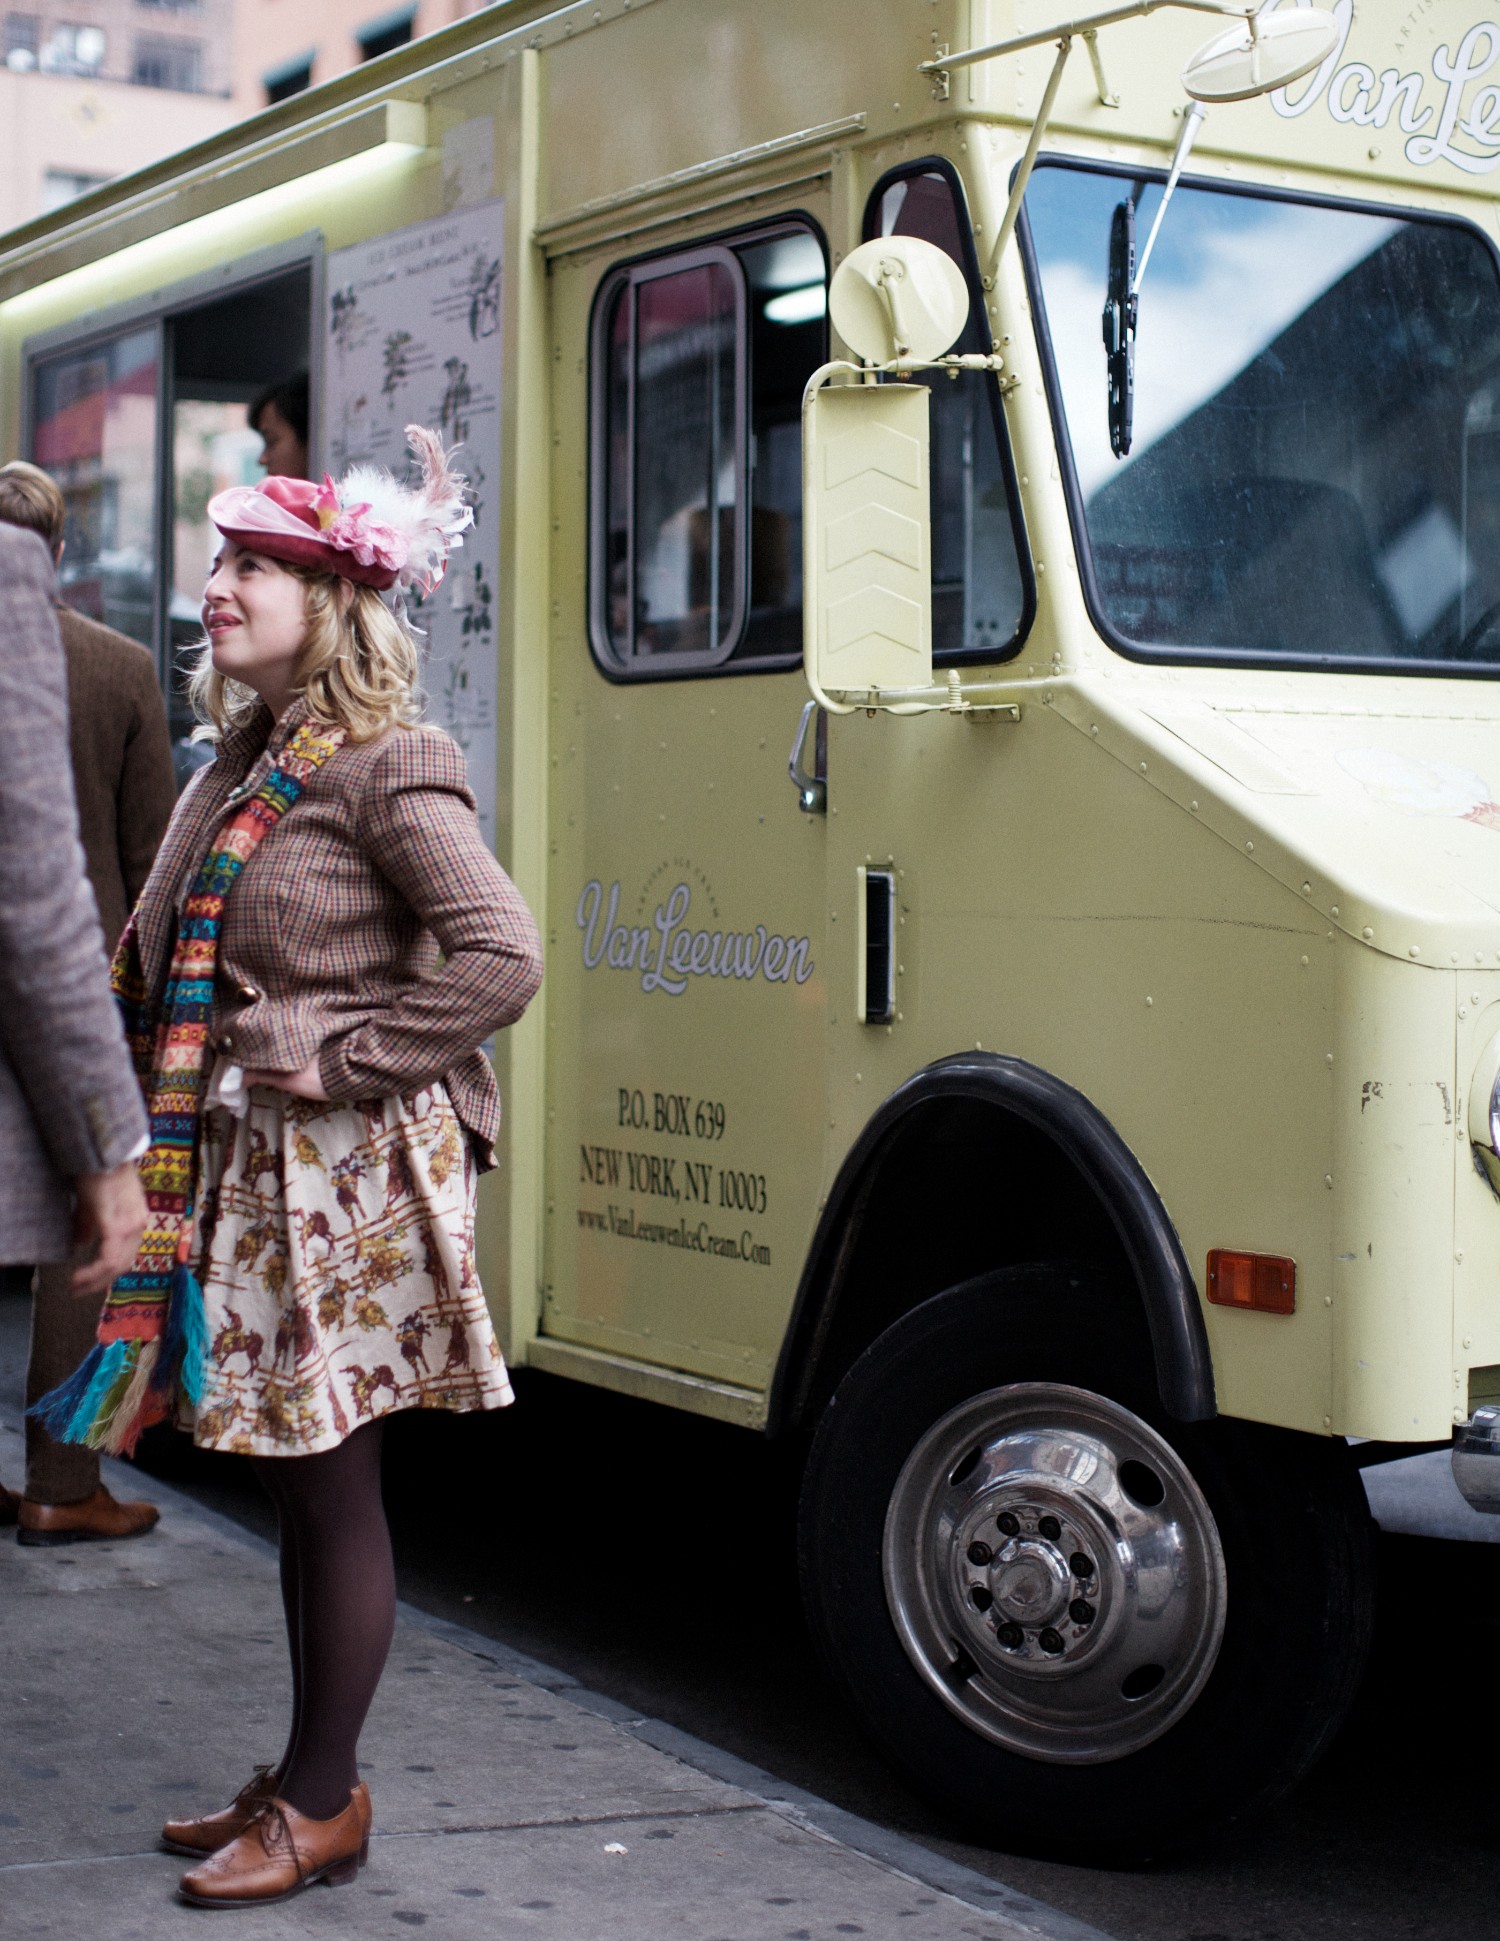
279 1853
97 1519
216 1830
10 1505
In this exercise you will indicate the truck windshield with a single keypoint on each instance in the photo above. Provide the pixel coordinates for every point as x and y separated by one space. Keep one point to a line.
1314 473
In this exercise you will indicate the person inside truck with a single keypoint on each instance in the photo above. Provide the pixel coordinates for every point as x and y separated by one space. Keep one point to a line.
280 417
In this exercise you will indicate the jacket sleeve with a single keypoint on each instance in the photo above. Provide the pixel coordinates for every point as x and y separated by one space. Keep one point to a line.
59 1029
417 824
148 786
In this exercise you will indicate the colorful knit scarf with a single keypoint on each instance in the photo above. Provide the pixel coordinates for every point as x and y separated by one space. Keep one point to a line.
153 1333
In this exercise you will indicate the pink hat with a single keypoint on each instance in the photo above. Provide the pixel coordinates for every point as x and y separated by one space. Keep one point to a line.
367 528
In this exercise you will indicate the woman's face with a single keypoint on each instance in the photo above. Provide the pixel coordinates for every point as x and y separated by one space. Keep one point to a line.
256 615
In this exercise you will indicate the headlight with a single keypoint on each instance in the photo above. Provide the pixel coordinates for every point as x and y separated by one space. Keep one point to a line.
1484 1113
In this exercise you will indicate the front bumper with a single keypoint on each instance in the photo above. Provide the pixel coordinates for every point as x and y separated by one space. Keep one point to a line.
1476 1459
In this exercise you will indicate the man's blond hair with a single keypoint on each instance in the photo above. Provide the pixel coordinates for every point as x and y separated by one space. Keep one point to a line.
29 498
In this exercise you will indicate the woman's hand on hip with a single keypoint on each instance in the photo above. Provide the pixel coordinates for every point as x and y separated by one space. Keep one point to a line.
306 1084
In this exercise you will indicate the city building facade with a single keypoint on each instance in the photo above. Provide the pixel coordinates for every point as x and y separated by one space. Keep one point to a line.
282 47
92 89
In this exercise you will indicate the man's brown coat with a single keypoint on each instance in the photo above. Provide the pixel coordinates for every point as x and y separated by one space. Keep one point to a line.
122 762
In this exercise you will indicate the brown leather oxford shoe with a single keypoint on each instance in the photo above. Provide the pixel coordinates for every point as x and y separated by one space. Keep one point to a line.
279 1853
97 1519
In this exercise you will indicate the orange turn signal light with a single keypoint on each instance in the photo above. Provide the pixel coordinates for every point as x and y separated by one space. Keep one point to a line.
1266 1282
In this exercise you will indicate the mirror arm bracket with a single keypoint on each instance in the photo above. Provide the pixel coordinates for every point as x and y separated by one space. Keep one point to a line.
1028 161
1063 34
1107 96
1066 29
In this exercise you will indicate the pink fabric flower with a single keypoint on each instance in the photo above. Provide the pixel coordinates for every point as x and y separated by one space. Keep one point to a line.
370 542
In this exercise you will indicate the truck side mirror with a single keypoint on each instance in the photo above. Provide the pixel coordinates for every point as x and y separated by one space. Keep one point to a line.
867 538
898 302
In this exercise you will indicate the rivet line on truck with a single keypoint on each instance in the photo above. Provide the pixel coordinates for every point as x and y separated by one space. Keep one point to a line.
980 641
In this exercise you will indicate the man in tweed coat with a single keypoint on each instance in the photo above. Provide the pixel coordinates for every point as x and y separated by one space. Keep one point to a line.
71 1118
123 780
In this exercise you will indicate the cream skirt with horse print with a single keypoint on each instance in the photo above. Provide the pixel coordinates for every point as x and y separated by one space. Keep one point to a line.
336 1255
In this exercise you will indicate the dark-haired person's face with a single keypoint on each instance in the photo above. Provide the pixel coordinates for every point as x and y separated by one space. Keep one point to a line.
283 454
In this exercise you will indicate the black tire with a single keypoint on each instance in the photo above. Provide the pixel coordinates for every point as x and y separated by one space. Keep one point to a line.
1293 1594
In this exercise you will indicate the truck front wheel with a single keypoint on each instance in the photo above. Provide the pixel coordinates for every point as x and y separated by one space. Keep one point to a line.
1083 1630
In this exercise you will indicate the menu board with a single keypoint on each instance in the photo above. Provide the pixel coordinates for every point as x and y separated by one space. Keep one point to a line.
413 337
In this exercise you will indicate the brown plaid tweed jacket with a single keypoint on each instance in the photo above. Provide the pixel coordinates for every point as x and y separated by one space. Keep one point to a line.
372 927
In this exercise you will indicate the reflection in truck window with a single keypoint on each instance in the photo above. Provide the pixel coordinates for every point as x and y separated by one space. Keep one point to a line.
95 430
1315 470
699 363
980 602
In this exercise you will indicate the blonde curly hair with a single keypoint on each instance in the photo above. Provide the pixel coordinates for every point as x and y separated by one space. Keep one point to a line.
359 667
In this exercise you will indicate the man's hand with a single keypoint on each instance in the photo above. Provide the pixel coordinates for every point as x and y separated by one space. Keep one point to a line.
109 1216
306 1084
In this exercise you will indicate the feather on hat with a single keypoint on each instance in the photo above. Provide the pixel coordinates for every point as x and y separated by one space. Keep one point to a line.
368 527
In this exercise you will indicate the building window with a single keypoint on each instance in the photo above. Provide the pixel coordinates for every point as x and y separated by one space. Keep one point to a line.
172 6
23 38
60 185
287 78
71 49
168 64
391 30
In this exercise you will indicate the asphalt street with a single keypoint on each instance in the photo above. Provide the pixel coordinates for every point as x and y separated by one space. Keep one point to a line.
650 1556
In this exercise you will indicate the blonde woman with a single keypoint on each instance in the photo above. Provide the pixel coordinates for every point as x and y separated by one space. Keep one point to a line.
322 948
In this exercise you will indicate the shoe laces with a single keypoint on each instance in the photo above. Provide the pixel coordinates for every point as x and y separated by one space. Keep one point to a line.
276 1833
254 1786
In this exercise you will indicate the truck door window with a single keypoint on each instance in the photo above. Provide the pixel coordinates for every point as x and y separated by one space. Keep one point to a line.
1314 475
981 593
674 540
698 367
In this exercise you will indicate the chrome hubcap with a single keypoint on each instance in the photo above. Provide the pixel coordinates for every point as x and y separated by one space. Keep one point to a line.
1054 1573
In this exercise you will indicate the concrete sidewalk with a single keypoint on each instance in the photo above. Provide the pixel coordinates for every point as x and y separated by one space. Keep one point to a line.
146 1678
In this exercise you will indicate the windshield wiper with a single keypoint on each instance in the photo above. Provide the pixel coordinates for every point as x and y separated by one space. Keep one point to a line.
1123 289
1119 326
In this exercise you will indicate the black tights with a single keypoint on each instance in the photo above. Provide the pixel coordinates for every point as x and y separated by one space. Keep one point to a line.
338 1589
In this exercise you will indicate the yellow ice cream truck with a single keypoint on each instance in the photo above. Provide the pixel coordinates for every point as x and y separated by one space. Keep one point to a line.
1063 1095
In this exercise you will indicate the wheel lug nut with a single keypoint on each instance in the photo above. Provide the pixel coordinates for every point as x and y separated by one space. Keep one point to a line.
1080 1565
1081 1611
1050 1528
979 1553
1009 1522
979 1597
1011 1636
1050 1641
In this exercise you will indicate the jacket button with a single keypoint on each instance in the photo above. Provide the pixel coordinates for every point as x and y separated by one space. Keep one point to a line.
226 1043
250 993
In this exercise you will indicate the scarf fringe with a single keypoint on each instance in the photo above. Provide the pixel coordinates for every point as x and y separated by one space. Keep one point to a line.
107 1401
137 1408
184 1342
88 1384
120 1389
